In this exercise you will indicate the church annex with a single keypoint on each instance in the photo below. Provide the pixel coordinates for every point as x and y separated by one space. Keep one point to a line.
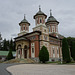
28 44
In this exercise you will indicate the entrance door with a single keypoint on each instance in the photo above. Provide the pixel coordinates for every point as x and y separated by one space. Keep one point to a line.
25 51
25 54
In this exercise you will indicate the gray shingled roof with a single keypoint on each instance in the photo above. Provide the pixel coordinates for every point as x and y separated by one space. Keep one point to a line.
51 18
24 21
40 13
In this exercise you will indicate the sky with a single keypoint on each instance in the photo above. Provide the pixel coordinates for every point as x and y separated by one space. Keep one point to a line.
12 13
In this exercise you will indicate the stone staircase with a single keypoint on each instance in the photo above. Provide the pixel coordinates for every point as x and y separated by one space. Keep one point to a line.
26 61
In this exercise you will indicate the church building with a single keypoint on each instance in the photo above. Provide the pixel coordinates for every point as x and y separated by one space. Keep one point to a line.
45 33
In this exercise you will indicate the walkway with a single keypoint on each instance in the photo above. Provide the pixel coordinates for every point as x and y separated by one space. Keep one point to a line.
42 69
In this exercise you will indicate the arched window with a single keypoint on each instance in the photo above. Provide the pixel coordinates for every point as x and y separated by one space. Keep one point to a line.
25 47
57 51
26 28
32 50
19 46
53 51
40 21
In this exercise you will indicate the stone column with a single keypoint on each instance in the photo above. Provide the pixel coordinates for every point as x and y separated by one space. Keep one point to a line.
27 53
22 53
16 53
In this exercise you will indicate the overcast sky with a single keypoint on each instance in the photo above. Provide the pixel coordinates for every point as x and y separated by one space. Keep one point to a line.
12 12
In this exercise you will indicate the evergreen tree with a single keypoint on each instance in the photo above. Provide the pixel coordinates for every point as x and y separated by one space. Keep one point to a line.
10 55
70 40
11 44
43 54
73 50
4 45
0 42
14 45
65 51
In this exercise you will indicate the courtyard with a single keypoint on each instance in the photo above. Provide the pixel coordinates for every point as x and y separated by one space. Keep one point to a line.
41 69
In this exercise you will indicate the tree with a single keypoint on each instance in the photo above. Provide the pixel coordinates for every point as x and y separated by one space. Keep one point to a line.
4 45
11 44
0 42
73 50
43 54
65 51
70 40
10 55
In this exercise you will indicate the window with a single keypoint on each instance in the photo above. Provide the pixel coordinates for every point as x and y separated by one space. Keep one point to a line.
49 28
53 51
45 37
57 51
26 28
53 29
40 21
32 50
45 30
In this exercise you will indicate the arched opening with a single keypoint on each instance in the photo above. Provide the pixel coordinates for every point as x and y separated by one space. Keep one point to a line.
25 51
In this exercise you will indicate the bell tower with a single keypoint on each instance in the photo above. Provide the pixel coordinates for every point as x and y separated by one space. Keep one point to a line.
40 17
40 26
24 26
52 25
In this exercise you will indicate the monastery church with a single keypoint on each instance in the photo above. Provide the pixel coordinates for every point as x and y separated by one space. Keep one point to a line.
45 33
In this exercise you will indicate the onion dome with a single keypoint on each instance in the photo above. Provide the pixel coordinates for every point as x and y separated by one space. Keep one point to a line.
40 13
24 21
51 18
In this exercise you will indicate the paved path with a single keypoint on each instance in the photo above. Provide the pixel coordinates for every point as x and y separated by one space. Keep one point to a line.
3 67
42 69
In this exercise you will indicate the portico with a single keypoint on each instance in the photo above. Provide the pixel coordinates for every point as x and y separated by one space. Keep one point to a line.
22 48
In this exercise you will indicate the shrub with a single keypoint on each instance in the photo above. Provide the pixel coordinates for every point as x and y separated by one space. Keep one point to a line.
10 55
43 54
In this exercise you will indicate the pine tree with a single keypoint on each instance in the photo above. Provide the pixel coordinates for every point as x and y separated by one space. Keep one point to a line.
73 50
11 44
43 54
10 55
65 51
4 45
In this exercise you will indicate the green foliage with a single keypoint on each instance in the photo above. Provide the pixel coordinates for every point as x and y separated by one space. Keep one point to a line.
4 45
70 40
73 50
8 44
43 54
65 51
10 55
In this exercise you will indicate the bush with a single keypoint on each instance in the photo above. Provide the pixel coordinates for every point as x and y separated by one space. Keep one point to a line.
10 55
65 51
43 54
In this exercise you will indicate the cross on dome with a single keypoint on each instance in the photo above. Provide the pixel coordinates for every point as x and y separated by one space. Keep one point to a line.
50 12
39 8
24 16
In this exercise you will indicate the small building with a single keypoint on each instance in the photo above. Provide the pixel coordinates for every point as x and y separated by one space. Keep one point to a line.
45 33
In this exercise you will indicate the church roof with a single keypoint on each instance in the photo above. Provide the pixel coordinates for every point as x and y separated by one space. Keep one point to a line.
40 13
51 18
28 34
24 21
